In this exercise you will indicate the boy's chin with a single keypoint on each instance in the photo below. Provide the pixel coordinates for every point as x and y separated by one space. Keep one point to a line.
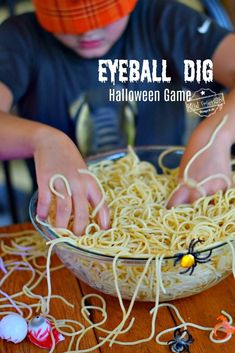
92 53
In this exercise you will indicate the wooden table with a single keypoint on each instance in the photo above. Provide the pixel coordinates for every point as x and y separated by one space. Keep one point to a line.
202 308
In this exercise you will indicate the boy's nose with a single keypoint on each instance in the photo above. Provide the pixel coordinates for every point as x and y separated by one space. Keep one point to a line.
94 34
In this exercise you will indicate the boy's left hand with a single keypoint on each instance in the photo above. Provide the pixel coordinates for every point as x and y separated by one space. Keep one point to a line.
214 160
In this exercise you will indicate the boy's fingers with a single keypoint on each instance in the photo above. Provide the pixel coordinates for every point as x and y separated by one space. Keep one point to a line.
187 195
78 205
63 211
211 187
43 205
103 217
95 196
179 197
81 213
63 207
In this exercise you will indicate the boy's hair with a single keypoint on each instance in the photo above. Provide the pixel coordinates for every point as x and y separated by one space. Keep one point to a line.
79 16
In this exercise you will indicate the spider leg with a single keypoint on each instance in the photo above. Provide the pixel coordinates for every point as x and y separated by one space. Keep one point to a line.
178 258
205 257
189 339
178 333
192 269
171 345
171 342
187 270
203 261
193 243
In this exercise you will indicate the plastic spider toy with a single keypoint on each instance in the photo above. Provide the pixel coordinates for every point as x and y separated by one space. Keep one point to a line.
192 258
224 326
181 341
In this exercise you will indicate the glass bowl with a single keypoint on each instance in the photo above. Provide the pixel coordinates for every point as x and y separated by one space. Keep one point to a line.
97 269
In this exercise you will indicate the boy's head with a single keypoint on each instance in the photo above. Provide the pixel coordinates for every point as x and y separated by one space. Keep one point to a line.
89 27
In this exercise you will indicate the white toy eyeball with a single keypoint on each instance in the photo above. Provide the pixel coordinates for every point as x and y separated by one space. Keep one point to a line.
13 328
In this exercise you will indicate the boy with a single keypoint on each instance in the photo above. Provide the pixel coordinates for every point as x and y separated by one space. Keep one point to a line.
49 67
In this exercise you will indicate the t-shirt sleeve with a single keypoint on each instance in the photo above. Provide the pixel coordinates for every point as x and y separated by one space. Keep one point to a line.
187 34
16 63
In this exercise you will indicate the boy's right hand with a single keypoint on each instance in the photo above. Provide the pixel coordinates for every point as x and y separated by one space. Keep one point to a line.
54 154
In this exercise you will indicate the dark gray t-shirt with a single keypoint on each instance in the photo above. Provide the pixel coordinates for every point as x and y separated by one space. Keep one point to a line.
53 85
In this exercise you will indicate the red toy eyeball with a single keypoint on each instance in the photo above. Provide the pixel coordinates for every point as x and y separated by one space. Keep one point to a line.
40 331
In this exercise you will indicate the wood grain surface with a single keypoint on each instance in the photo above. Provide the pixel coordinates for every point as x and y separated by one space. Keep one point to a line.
202 309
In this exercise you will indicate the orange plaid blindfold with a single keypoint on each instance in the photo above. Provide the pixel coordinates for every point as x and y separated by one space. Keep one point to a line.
79 16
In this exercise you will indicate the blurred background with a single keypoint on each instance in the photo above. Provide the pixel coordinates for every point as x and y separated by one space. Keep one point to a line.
15 183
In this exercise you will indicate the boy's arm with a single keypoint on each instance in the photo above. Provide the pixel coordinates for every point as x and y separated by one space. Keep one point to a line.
6 98
217 158
54 153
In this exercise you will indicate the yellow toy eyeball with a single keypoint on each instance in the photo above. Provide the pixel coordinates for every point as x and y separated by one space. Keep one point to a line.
187 261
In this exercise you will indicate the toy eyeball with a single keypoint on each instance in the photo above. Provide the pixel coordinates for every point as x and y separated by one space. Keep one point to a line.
13 328
40 332
37 322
